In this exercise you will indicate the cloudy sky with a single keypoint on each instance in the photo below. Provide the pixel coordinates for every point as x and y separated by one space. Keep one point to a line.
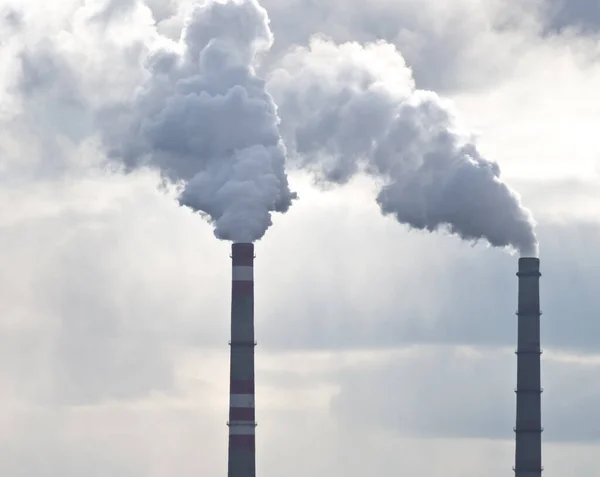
383 350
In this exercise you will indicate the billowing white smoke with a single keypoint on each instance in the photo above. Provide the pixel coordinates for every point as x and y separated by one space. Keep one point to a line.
347 108
204 118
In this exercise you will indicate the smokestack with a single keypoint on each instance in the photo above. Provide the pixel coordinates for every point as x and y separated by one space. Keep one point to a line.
242 458
528 429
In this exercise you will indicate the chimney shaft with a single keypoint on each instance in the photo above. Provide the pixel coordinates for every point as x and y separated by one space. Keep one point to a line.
242 459
528 429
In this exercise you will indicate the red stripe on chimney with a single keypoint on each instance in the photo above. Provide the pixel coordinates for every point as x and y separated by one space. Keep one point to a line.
241 386
244 442
241 414
239 288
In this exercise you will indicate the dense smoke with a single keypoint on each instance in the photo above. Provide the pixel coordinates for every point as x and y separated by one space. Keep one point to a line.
348 108
204 118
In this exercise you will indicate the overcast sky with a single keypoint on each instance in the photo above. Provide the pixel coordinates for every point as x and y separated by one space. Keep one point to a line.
382 350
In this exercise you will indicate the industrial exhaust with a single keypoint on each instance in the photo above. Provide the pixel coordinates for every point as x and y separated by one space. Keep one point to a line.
528 428
242 424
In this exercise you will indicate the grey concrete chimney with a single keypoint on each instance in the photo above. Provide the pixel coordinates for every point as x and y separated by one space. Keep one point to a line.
528 429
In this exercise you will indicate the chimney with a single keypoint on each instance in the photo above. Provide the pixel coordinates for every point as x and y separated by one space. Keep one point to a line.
528 429
242 459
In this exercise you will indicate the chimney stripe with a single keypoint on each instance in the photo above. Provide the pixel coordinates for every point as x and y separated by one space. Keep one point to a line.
241 400
242 414
242 250
243 262
242 428
242 288
242 442
242 273
241 386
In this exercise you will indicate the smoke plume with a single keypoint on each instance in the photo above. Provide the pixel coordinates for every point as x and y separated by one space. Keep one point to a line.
348 108
204 118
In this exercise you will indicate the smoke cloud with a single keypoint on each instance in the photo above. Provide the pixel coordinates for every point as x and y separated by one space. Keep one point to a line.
201 114
350 108
205 119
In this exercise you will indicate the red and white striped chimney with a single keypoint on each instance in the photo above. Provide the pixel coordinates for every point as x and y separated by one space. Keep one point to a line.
242 450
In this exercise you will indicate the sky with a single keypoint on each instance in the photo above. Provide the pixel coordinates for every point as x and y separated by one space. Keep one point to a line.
383 350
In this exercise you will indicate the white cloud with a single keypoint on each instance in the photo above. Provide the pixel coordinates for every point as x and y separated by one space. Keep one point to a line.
552 136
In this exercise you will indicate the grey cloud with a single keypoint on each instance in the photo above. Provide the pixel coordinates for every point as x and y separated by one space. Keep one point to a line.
448 393
121 314
582 16
155 438
110 279
442 56
50 101
346 450
415 288
162 10
44 115
113 9
74 291
48 84
12 17
147 281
